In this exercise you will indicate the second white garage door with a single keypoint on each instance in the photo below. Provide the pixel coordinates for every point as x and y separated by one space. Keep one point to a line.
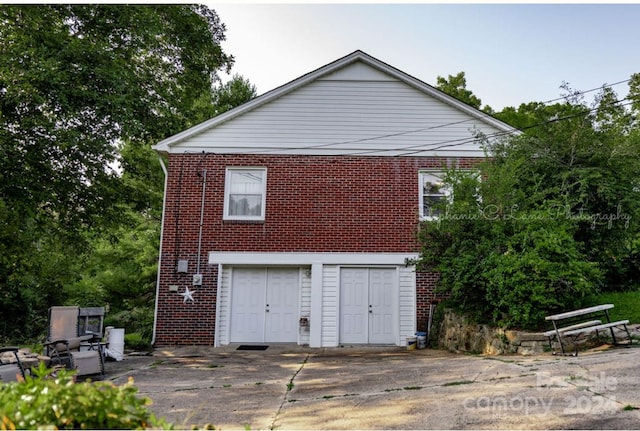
264 305
368 305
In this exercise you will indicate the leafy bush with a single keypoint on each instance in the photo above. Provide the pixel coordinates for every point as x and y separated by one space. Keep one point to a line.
59 402
136 342
135 320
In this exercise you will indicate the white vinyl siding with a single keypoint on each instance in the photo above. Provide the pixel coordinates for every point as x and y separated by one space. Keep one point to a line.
330 280
326 117
223 307
407 302
326 305
305 302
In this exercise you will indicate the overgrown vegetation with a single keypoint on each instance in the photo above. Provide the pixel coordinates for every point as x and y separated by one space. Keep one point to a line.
44 402
550 220
85 90
627 304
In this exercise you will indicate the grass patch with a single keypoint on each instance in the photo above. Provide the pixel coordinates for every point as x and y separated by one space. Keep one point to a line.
214 366
460 382
412 388
506 361
154 364
328 397
627 304
135 341
629 407
499 378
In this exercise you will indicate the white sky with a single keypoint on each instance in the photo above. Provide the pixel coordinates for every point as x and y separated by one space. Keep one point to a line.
510 53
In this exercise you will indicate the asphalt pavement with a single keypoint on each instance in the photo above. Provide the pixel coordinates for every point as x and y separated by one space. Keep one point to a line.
289 387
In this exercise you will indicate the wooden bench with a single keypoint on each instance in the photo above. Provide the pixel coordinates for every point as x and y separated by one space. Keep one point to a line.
576 329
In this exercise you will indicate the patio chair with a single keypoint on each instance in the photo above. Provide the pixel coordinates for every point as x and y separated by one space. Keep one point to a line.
91 322
64 343
11 369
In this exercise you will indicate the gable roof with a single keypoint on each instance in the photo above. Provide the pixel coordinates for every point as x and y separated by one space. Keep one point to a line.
356 67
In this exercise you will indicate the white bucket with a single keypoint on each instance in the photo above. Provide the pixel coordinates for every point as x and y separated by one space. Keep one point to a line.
422 341
115 341
411 343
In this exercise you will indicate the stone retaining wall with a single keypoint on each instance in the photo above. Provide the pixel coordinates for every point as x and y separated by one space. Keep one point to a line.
456 334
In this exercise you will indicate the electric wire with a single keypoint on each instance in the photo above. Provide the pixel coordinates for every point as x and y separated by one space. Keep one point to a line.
441 144
579 93
419 148
424 129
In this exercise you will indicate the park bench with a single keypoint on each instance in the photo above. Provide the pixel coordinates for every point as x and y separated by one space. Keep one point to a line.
582 322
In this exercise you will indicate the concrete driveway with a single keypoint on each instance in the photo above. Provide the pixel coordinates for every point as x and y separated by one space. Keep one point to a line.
289 387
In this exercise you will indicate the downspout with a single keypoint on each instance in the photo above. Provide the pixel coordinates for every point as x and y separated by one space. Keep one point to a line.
164 203
204 189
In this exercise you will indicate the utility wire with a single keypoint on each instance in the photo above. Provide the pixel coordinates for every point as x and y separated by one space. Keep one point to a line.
418 148
442 144
483 115
579 93
499 134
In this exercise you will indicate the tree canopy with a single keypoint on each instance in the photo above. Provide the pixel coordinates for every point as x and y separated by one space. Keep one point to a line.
552 217
84 91
456 86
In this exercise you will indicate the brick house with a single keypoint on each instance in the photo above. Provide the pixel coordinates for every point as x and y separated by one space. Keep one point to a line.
290 218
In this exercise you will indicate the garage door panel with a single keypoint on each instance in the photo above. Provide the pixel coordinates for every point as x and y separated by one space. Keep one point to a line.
368 307
282 297
264 305
248 305
353 305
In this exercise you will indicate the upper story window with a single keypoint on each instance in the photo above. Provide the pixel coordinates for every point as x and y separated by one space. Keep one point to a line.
245 193
433 193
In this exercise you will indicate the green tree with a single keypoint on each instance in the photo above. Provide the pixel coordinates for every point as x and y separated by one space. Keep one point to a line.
456 86
554 218
77 81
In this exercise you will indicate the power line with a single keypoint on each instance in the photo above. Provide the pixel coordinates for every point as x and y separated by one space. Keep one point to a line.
499 134
408 132
578 93
418 148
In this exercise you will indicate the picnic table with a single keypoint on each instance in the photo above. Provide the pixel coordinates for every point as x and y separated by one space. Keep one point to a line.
584 321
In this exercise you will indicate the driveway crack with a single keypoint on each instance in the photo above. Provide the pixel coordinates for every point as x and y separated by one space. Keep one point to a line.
290 386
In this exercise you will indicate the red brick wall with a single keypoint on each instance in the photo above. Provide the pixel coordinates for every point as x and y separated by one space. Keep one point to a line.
425 295
314 204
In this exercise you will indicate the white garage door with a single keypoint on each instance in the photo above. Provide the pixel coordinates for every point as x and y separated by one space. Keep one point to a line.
368 305
264 305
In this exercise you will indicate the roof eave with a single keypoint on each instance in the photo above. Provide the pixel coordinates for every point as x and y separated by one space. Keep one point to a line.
165 145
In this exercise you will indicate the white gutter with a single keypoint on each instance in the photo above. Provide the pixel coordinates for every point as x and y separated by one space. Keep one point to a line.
164 202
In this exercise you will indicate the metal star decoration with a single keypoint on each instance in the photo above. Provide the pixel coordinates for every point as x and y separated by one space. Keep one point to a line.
187 295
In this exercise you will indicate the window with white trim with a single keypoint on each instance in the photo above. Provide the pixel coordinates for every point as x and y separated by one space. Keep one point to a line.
433 193
245 193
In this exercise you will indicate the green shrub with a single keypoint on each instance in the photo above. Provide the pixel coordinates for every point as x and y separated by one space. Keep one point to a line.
136 342
135 319
59 402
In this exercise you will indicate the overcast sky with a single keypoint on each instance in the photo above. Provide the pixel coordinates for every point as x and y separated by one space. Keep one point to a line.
511 53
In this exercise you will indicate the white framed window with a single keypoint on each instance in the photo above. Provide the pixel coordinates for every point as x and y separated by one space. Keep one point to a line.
245 193
433 192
